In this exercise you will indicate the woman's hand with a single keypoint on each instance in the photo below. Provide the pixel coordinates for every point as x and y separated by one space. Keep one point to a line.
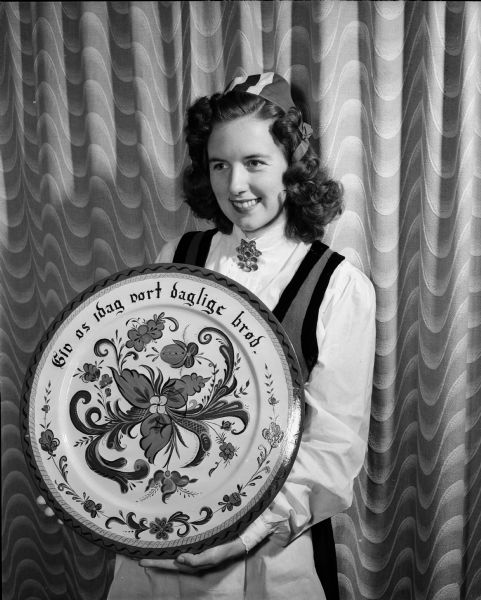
196 563
47 511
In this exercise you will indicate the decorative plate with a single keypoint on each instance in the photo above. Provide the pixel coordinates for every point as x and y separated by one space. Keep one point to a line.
162 411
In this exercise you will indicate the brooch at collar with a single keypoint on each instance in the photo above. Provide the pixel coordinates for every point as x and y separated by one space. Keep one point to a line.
247 254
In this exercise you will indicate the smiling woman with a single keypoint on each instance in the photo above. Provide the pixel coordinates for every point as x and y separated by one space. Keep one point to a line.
254 174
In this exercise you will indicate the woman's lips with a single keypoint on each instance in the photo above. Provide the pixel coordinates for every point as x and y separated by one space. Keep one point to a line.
243 205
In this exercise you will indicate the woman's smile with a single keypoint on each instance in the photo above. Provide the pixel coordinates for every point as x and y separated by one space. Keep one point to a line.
245 205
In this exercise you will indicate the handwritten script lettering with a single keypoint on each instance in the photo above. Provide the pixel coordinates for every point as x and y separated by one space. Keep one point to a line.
198 299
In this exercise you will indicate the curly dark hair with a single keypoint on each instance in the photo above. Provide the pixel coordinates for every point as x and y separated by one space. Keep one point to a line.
312 199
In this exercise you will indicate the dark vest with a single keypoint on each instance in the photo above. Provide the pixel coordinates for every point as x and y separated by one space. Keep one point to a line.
299 304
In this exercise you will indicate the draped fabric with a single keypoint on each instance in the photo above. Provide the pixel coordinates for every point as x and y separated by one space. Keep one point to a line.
92 102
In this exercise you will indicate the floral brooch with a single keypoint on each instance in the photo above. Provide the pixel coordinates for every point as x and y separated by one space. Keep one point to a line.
247 254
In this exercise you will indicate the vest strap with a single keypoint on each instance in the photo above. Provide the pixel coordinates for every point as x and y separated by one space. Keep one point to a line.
299 304
315 253
193 247
310 349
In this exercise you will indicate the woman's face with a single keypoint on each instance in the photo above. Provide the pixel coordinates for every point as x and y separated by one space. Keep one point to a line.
246 169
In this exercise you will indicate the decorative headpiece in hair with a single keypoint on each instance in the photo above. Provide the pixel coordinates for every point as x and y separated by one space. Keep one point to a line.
275 89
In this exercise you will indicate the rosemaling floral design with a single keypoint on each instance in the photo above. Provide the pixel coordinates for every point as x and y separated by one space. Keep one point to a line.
92 507
180 354
143 334
90 372
169 482
159 405
48 442
162 527
230 501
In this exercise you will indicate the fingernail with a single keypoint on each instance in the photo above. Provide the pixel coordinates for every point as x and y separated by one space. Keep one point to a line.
181 559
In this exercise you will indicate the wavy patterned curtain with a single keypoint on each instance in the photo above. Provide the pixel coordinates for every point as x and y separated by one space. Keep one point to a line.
92 98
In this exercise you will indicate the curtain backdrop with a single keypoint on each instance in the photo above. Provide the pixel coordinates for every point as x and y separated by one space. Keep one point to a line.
92 101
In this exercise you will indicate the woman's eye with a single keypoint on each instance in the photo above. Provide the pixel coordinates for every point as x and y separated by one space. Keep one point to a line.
255 163
218 166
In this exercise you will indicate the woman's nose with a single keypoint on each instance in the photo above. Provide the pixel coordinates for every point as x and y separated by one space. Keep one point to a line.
238 180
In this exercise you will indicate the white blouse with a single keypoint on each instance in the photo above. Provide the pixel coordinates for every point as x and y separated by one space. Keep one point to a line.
338 392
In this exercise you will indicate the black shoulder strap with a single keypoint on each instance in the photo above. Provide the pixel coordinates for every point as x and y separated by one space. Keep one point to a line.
308 334
183 246
193 247
316 250
299 304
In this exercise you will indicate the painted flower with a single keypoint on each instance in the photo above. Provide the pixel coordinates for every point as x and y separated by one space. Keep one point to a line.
231 501
161 528
91 507
155 326
226 425
169 481
273 434
227 451
180 354
143 334
273 400
138 337
105 380
91 372
157 405
48 442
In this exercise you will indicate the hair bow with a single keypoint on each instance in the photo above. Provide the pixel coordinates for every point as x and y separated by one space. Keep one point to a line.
306 131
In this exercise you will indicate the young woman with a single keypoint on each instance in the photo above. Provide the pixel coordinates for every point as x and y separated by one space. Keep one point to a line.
255 176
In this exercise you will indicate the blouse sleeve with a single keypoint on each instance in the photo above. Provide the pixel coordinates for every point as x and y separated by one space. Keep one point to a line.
166 254
336 426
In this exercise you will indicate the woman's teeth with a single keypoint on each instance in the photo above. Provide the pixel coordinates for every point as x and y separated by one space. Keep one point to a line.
245 203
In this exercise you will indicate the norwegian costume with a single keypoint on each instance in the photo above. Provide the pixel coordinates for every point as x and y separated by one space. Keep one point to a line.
334 340
327 307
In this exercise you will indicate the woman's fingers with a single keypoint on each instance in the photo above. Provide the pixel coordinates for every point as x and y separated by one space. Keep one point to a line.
164 564
168 565
193 563
204 560
47 511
